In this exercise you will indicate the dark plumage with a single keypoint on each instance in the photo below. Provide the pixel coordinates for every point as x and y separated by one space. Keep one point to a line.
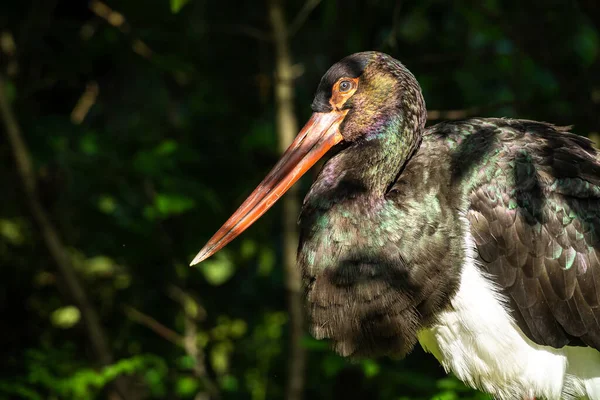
534 214
531 193
401 220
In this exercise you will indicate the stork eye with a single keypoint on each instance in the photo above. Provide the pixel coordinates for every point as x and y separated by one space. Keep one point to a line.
345 86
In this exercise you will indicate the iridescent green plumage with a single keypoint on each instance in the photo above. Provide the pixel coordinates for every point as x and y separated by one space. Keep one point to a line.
479 237
382 242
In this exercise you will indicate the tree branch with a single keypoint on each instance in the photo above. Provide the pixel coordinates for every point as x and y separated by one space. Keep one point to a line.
308 7
194 312
24 166
85 103
287 128
119 21
152 324
49 233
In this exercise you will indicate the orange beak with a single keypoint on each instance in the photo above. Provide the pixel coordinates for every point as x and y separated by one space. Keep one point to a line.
321 133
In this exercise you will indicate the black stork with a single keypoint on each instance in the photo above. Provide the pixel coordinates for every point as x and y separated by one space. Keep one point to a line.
480 239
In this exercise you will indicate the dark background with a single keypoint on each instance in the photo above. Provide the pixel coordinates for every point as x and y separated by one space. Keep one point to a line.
130 130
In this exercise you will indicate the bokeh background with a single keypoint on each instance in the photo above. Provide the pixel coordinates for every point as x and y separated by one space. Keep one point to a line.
130 130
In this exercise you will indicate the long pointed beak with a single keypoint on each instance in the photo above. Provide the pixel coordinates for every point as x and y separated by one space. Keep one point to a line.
319 135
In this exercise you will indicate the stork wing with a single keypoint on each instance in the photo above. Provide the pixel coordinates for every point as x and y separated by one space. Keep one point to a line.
536 226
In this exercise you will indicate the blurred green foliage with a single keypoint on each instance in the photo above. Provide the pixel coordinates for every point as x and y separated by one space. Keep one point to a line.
178 132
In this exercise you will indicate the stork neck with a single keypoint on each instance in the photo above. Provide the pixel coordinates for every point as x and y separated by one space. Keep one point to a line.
374 163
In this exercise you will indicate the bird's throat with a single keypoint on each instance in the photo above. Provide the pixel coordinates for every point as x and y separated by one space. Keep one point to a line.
372 164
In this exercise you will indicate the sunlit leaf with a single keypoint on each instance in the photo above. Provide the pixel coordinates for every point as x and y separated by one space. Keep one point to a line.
238 328
65 317
177 5
122 281
595 137
370 368
172 204
186 386
266 261
219 357
107 204
202 339
447 395
219 269
221 330
100 265
312 344
248 248
449 383
255 383
275 322
191 307
186 362
11 232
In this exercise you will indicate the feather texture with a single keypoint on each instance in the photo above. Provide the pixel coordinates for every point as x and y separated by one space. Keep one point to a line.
533 196
481 237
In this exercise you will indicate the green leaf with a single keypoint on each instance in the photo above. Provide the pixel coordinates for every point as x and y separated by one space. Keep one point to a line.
20 391
107 204
449 383
332 364
218 270
248 248
177 5
238 328
100 265
266 261
229 383
186 386
186 362
166 147
313 345
370 368
447 395
88 144
11 232
154 378
168 204
65 317
219 357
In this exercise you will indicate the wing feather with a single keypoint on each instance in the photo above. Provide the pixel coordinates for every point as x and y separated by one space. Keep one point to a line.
535 222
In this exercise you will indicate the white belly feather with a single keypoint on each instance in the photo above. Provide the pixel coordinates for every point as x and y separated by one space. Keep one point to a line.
480 343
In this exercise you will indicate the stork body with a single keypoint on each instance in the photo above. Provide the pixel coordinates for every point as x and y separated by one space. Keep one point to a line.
479 239
460 253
